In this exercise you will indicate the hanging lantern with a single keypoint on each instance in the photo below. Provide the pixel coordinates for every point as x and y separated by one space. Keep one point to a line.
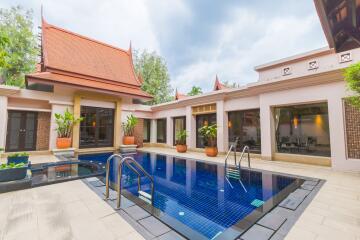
296 121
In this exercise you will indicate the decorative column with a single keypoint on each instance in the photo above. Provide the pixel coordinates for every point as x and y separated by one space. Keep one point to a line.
190 128
267 131
221 122
153 131
169 131
3 120
117 125
76 128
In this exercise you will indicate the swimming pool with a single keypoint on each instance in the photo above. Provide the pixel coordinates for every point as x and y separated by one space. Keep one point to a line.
195 199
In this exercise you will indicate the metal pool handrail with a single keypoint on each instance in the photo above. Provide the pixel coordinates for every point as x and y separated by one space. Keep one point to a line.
247 149
232 147
108 173
132 160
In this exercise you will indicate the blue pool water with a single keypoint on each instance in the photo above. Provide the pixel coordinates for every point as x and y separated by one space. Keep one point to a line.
196 193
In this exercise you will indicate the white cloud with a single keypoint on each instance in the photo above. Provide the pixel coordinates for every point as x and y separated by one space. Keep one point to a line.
112 21
250 40
229 45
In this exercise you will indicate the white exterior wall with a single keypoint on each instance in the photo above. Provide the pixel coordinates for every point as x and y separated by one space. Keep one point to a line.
222 130
330 93
169 115
3 120
300 68
190 128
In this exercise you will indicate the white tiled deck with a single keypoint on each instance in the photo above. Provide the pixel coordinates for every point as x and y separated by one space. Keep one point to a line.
61 211
72 211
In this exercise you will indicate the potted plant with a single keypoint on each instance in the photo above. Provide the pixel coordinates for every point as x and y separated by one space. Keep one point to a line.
16 158
209 134
128 128
180 142
65 123
12 171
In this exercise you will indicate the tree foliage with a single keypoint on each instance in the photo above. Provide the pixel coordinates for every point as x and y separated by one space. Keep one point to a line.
352 79
154 72
18 45
230 85
195 91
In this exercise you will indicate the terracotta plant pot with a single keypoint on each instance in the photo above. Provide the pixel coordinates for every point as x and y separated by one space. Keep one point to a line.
63 143
181 148
211 151
129 140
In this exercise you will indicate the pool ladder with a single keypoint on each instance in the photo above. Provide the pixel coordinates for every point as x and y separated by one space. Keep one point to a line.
235 173
134 166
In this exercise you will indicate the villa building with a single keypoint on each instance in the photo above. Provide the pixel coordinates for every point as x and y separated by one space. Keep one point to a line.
92 79
295 112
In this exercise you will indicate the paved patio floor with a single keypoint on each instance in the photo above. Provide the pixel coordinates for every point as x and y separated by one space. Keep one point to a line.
72 211
61 211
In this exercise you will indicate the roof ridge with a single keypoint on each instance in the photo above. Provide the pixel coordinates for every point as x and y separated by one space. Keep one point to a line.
85 37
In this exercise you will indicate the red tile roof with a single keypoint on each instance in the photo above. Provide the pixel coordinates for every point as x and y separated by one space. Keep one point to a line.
83 61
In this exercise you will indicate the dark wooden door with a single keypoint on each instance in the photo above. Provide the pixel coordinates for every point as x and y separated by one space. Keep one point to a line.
21 131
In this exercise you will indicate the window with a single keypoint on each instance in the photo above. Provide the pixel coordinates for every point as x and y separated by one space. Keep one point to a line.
245 125
161 130
97 128
303 129
203 120
146 130
179 124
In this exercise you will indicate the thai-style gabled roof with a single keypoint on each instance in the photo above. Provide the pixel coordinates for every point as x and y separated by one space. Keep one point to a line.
218 85
179 96
340 22
70 58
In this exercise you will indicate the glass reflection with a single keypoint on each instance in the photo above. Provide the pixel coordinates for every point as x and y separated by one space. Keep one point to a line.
303 129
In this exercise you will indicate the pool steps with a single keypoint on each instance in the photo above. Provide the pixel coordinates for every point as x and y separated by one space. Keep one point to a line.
145 196
235 173
134 166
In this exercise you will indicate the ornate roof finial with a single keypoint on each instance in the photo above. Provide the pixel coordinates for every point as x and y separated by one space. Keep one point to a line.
42 13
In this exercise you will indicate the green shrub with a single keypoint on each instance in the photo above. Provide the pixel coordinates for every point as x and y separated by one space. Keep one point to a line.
352 79
65 123
129 125
12 165
209 134
23 154
181 137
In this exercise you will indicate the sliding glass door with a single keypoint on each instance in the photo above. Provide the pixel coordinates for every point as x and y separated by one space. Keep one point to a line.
146 130
97 128
21 131
161 130
245 125
303 129
203 120
179 124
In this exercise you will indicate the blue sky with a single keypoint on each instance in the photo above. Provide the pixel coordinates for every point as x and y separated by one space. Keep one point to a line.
197 38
